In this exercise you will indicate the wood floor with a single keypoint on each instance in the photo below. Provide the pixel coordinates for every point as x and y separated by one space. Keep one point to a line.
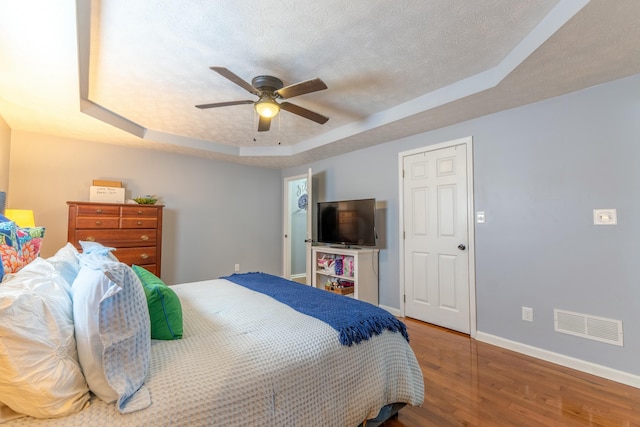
470 383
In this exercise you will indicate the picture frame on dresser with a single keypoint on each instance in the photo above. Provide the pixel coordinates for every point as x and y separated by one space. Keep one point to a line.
134 230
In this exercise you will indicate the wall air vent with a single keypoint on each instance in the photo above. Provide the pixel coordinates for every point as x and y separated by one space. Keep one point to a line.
590 327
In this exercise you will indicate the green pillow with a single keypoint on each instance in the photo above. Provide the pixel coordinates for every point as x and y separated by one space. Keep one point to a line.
165 310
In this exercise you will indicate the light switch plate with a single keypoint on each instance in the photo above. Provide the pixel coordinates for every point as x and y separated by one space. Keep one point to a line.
605 217
480 217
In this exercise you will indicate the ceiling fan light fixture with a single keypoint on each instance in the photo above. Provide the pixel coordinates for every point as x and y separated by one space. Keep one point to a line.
268 89
267 107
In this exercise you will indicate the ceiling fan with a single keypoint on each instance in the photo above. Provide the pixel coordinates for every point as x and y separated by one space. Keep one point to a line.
269 89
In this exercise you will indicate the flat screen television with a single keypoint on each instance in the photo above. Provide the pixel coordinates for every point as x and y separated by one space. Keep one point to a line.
347 222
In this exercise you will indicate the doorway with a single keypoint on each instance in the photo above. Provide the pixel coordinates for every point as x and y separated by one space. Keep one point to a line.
297 214
437 235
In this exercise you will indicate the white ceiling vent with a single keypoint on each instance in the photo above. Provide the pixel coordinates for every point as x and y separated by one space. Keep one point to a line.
586 326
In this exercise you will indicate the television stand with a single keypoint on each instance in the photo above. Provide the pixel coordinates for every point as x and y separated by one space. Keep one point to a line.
345 247
359 272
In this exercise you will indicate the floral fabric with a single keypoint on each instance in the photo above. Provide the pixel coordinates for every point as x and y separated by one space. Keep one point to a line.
18 246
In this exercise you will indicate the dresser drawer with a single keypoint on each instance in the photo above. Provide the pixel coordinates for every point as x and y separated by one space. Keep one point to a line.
138 222
119 238
101 210
140 211
139 256
97 222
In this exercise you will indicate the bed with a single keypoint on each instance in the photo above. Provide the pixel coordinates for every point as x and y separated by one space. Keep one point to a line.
243 357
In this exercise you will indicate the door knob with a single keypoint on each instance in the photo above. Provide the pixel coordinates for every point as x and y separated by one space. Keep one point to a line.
462 247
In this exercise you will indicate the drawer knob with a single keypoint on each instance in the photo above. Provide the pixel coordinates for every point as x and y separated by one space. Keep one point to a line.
91 239
98 210
139 212
144 256
98 222
144 237
140 222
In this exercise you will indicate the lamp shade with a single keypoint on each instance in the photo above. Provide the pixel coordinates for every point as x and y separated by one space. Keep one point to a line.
267 107
22 217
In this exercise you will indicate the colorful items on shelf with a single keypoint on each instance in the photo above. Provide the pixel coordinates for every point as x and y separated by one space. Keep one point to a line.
339 286
325 263
339 265
348 266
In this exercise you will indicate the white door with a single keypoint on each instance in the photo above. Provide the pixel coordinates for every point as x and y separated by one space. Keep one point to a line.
436 238
297 222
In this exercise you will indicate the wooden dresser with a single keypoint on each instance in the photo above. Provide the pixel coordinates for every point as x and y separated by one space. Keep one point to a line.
134 230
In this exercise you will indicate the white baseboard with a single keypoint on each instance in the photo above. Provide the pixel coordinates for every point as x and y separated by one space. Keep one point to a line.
560 359
391 310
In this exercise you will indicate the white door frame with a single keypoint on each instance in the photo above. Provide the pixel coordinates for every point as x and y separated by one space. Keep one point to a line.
468 143
286 225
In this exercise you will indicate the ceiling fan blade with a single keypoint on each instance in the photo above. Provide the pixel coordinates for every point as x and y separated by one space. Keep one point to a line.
223 104
264 124
303 112
234 78
301 88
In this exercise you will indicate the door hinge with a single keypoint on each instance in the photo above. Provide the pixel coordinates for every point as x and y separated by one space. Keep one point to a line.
405 298
402 173
403 235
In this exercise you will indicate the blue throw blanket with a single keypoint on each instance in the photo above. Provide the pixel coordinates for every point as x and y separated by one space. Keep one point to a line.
354 320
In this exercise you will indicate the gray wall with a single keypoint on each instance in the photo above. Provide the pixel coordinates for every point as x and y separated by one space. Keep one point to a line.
539 171
216 215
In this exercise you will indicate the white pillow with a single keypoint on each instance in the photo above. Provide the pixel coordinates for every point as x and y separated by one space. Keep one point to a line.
65 261
113 332
39 370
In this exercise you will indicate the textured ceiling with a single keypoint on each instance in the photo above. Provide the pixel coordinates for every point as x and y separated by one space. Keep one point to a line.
130 72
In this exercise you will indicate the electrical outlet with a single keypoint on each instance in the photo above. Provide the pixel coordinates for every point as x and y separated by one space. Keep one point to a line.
237 267
527 314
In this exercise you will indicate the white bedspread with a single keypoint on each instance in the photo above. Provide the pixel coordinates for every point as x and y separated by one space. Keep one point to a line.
247 360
